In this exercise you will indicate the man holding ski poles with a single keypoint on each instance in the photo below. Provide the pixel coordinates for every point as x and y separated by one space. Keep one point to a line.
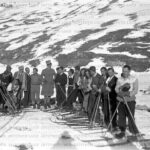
48 77
94 97
126 88
111 99
61 82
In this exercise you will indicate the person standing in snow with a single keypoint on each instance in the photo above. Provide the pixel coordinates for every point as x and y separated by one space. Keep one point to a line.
96 85
27 91
6 77
70 88
126 88
61 82
20 81
48 76
36 81
111 101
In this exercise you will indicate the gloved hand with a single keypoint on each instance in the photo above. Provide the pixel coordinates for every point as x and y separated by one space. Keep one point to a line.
94 87
108 89
44 80
125 87
123 94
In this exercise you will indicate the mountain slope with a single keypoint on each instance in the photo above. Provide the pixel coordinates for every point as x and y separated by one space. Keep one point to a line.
111 32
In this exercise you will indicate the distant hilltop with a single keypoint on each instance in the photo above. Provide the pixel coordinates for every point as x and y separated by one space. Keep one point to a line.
6 5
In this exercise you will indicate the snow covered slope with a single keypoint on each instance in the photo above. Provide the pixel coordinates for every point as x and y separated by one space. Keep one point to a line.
85 32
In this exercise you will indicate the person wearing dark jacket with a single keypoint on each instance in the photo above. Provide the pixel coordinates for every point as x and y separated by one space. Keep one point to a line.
70 88
27 92
48 77
61 82
6 77
70 81
96 85
36 81
20 82
104 95
126 89
56 80
76 93
112 99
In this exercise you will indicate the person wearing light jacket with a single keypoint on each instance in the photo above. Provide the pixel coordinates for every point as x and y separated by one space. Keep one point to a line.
48 77
20 81
126 89
36 81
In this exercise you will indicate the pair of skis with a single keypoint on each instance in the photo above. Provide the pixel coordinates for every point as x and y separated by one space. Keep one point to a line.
9 101
113 141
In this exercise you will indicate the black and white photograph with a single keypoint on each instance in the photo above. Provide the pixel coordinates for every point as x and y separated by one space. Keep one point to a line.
74 74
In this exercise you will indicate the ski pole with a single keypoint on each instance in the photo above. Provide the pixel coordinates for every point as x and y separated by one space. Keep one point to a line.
141 136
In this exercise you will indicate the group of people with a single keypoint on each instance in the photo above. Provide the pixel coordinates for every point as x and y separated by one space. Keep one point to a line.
27 87
93 91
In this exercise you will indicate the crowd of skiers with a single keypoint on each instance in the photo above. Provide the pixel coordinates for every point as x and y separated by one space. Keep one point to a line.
93 92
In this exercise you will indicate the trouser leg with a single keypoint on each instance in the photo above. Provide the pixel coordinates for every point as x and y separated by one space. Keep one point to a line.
57 94
122 117
25 98
69 97
85 102
19 98
58 97
106 110
37 98
33 97
97 103
73 96
45 101
132 127
37 94
29 97
90 106
93 109
80 96
113 108
61 96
